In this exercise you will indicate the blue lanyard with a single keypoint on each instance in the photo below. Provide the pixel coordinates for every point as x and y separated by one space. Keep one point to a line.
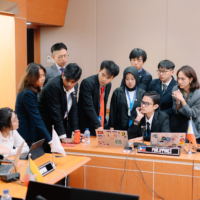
131 103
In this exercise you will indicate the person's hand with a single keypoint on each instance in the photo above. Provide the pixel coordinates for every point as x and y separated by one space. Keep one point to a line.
140 115
100 128
4 150
178 95
50 145
111 128
67 140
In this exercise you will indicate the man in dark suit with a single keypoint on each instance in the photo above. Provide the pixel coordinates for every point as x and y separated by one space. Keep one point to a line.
93 97
138 57
164 85
147 116
58 102
59 55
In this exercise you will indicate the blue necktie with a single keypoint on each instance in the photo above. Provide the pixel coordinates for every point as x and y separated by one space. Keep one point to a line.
62 70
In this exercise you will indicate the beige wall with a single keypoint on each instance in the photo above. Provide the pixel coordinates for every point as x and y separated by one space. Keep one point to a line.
96 30
7 62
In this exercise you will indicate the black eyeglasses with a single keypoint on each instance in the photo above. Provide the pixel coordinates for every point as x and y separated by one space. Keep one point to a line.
146 103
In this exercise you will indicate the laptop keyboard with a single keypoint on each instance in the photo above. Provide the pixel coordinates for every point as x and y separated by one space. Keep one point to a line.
5 169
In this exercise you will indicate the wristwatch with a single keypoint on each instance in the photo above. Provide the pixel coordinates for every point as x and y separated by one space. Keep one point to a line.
136 122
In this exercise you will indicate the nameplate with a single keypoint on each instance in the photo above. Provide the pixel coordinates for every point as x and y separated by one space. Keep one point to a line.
170 151
46 168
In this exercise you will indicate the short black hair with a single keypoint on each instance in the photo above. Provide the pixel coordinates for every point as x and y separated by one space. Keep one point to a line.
154 96
5 117
58 46
111 67
166 64
72 72
136 53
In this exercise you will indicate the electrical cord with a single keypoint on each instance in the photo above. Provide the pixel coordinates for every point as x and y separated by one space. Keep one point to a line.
65 176
11 163
124 170
143 177
20 182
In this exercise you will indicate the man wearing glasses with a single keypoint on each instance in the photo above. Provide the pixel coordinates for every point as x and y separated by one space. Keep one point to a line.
147 116
164 85
59 55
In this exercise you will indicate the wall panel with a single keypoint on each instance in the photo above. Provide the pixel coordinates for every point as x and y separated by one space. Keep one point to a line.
7 62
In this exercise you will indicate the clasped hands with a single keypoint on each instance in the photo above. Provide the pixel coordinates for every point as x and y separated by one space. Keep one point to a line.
178 95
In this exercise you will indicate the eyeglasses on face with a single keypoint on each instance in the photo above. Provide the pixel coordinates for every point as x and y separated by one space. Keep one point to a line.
63 56
146 103
162 72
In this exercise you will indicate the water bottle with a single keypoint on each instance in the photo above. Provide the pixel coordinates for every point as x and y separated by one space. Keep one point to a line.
5 195
87 136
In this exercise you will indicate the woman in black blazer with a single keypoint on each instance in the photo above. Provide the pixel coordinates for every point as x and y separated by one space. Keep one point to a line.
31 125
122 110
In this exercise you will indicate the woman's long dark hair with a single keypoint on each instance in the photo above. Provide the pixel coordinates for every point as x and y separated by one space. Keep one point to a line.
5 118
190 73
30 77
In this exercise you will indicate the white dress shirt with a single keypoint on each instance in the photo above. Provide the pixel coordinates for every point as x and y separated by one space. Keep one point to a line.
69 104
167 84
14 139
149 120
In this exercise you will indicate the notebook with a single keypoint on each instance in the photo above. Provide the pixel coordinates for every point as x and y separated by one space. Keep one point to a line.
9 168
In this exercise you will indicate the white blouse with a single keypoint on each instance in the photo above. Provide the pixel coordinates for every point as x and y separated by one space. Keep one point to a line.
14 139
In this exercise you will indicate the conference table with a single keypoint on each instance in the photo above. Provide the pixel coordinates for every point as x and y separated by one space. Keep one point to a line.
171 177
66 165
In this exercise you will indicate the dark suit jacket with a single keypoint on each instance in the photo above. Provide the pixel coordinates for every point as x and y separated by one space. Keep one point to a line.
30 120
144 80
119 109
160 124
53 105
88 103
166 98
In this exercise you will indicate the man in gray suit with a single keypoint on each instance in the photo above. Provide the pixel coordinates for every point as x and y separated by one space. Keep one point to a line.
60 55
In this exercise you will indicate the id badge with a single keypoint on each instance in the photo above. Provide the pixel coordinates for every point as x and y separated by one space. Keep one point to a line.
99 117
130 122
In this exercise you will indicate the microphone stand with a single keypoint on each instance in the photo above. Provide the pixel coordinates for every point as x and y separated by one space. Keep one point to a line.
136 144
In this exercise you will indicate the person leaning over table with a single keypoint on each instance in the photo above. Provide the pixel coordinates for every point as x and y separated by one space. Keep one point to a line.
10 139
147 116
30 120
58 103
186 102
125 100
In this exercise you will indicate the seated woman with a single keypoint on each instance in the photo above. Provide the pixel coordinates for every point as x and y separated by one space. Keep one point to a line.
186 102
154 121
125 100
10 140
31 126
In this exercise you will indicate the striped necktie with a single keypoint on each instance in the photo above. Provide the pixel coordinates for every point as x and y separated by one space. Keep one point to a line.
164 88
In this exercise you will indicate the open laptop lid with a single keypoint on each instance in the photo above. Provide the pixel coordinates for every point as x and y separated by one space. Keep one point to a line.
116 138
168 139
19 151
